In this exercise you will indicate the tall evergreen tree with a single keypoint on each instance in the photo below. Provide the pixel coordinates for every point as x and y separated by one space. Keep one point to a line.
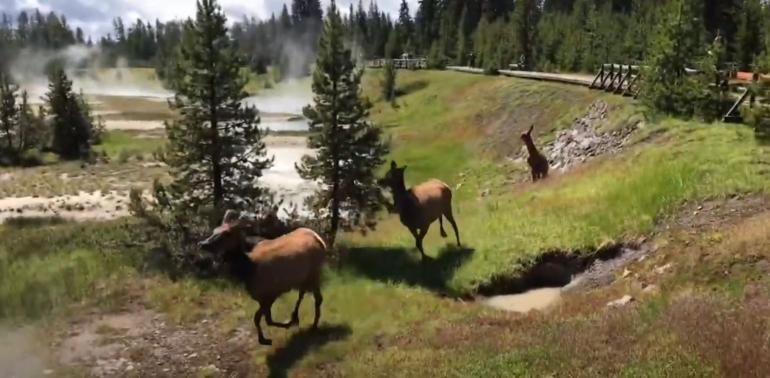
526 15
749 37
73 128
678 45
349 148
215 149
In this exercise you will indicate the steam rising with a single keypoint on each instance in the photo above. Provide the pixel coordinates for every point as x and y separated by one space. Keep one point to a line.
85 66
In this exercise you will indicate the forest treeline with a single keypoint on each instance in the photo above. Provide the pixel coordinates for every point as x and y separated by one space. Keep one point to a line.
550 35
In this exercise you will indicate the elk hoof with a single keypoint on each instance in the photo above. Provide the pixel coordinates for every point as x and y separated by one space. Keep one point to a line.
264 341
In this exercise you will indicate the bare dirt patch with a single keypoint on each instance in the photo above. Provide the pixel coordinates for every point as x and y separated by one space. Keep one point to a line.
144 343
20 354
81 207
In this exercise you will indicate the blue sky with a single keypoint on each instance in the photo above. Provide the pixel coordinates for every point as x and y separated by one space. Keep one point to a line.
95 16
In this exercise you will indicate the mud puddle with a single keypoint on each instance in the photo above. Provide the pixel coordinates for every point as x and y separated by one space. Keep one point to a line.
556 274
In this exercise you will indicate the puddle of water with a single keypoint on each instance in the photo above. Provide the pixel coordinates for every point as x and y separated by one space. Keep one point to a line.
284 124
133 125
537 299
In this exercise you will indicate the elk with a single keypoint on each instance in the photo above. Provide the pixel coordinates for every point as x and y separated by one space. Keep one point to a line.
271 267
421 205
538 163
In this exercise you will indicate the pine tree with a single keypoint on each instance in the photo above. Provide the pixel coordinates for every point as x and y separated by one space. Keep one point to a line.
526 15
349 148
678 45
9 118
215 150
20 129
405 26
72 121
749 37
388 84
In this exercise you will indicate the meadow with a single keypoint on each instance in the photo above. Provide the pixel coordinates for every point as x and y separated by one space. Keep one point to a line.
385 311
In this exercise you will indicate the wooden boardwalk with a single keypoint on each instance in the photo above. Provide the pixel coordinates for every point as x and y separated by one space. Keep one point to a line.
573 79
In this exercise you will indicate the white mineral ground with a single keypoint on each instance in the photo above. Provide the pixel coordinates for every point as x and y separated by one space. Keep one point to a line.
282 178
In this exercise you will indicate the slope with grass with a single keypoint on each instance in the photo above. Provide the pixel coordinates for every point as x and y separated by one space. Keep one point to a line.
386 312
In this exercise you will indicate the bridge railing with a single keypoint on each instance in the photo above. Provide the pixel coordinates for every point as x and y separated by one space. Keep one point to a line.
403 64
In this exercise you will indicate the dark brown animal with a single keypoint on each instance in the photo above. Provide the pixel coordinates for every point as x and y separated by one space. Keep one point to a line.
421 205
538 163
272 267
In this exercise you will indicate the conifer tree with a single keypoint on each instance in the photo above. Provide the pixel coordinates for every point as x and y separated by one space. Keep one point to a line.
73 127
215 149
388 83
678 44
349 148
749 37
526 14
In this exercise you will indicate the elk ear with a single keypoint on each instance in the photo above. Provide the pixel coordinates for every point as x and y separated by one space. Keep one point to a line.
532 127
230 217
393 164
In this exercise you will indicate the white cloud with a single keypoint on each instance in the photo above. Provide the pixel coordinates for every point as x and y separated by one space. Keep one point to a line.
95 16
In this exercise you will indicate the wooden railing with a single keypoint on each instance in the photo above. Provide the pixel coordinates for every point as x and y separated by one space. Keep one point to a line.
622 79
402 64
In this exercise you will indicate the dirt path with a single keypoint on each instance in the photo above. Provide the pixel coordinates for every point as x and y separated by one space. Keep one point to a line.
143 343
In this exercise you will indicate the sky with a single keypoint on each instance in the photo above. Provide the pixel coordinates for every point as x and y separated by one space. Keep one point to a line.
95 16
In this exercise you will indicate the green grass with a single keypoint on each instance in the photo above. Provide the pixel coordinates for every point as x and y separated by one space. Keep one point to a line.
43 271
610 200
385 313
118 142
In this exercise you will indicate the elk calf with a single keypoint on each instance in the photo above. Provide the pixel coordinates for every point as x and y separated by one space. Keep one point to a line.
272 267
421 205
538 163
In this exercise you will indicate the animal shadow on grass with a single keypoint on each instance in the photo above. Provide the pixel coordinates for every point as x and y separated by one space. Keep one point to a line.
403 266
300 344
411 87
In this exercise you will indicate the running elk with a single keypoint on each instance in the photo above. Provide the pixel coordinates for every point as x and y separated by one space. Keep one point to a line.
538 163
272 267
421 205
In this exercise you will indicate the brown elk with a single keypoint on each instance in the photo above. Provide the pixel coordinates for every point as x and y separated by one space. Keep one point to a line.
272 267
421 205
538 163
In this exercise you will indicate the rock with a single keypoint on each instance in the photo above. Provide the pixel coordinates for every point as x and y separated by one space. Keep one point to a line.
626 299
763 266
47 371
650 289
485 193
663 269
626 273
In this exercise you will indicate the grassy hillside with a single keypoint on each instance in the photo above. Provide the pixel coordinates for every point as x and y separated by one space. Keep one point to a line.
385 313
443 129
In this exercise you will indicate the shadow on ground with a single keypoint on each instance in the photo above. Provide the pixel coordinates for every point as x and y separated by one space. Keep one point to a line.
302 343
403 265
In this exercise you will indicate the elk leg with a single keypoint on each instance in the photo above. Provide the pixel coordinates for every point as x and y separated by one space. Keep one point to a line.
257 319
441 226
272 323
423 232
295 314
318 300
451 218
